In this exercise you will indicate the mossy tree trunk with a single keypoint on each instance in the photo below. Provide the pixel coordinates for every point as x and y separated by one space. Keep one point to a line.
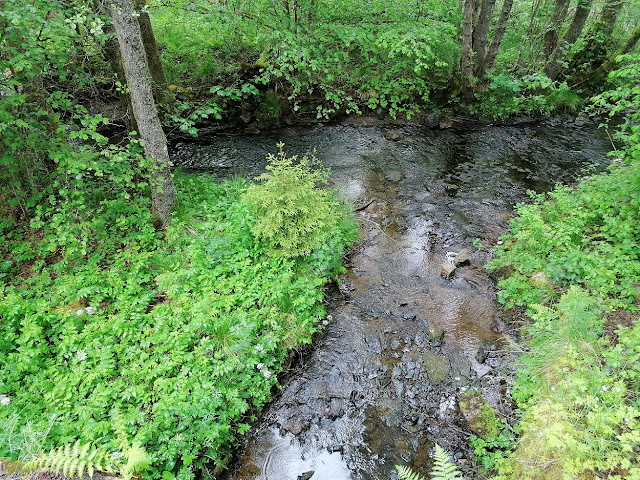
153 53
136 70
478 55
560 10
553 66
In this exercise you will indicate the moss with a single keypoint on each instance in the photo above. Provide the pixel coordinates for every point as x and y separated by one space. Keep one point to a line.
10 467
480 416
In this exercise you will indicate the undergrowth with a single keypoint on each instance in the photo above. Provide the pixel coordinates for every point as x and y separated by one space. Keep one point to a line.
184 336
574 256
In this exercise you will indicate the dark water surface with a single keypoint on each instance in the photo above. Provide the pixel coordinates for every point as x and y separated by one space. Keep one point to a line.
402 343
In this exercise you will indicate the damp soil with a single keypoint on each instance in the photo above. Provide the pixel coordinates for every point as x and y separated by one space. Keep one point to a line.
402 343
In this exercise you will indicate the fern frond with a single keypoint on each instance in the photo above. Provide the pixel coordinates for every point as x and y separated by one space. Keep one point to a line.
73 459
444 468
137 460
405 473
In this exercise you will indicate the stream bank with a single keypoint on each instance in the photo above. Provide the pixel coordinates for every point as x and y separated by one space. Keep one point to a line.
402 342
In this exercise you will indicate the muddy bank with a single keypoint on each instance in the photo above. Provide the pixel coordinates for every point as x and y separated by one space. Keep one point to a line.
407 333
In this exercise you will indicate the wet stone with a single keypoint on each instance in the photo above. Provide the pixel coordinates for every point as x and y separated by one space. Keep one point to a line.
335 408
437 366
447 270
374 343
296 427
436 335
462 258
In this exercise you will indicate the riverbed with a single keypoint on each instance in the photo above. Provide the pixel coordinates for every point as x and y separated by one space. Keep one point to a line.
406 333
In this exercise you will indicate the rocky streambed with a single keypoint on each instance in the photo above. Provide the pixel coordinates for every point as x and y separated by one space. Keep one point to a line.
415 344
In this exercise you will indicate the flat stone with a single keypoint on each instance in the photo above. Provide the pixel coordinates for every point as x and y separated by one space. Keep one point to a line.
437 366
447 270
393 135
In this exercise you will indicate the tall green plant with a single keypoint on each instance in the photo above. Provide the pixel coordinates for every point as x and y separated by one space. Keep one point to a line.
292 211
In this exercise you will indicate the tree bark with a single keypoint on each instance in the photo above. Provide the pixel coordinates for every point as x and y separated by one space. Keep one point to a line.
481 35
163 197
608 66
498 35
560 10
466 59
152 52
553 67
598 43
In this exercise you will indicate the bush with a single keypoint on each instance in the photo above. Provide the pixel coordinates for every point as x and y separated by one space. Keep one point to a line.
291 212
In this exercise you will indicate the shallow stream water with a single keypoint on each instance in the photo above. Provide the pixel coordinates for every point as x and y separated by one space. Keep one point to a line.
402 343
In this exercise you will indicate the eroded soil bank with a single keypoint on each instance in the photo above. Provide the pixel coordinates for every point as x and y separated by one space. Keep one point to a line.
402 343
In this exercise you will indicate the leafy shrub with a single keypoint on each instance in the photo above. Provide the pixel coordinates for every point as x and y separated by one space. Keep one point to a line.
574 256
532 94
184 338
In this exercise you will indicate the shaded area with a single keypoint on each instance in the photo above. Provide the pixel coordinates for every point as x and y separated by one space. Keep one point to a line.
402 343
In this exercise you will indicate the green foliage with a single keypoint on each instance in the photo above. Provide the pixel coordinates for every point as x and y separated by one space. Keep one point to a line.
76 459
444 468
406 473
575 258
351 55
585 237
185 115
531 94
490 451
184 339
623 99
292 213
72 460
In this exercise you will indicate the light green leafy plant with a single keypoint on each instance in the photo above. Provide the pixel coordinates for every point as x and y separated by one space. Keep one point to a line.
291 211
74 459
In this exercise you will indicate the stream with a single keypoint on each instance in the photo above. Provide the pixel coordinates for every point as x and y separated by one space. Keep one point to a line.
382 383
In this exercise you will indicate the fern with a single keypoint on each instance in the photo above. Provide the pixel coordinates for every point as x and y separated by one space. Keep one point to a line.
76 459
444 468
72 460
405 473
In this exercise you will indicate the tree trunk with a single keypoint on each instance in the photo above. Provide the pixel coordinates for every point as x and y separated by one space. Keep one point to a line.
152 52
481 35
498 35
560 10
607 67
466 59
163 197
553 67
598 43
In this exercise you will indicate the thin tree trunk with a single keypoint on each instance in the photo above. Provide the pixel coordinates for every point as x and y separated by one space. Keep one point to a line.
530 28
163 197
152 52
481 35
466 59
553 67
498 35
560 11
